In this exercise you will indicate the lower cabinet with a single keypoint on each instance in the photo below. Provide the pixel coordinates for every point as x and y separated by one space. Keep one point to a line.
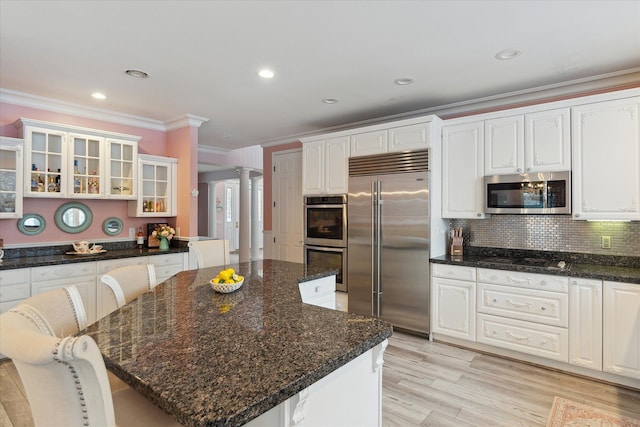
320 292
15 286
453 295
621 329
585 323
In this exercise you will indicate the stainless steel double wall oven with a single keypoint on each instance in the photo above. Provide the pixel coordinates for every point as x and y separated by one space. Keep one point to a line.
325 234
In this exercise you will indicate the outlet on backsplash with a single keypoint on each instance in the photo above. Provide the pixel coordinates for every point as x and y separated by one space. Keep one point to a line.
606 242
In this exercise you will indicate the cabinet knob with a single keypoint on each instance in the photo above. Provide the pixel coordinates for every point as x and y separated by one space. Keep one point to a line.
543 308
519 170
576 215
543 283
478 215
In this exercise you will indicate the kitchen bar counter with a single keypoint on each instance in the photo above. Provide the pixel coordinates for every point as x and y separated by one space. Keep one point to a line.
224 359
629 273
57 258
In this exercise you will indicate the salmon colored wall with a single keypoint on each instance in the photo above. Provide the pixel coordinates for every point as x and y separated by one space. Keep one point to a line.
267 182
152 142
183 145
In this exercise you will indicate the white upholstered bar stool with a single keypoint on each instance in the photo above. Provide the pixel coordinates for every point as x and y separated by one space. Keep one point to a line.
124 284
65 378
210 253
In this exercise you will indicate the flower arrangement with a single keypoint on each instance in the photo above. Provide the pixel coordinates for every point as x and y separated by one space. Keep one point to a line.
164 231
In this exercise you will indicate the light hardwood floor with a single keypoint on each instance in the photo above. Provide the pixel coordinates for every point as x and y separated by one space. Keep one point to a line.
433 384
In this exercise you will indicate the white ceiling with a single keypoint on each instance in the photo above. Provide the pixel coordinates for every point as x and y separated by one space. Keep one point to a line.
203 57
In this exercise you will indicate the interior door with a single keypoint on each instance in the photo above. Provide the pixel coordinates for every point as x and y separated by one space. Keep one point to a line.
288 207
231 213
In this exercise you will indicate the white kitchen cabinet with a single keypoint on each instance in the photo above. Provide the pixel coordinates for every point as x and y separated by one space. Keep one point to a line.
82 275
463 170
122 169
168 265
325 166
585 323
621 329
11 177
15 286
453 301
320 292
606 160
528 143
63 161
368 143
157 187
504 145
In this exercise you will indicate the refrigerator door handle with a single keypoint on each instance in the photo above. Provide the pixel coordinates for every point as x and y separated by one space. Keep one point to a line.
378 248
374 288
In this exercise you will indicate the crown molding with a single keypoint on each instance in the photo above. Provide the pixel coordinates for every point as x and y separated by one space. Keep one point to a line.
188 120
213 150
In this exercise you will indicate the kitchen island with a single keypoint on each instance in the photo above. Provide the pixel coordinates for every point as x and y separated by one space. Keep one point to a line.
258 355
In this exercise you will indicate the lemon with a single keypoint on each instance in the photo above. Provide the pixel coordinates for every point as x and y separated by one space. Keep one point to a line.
225 275
216 279
229 282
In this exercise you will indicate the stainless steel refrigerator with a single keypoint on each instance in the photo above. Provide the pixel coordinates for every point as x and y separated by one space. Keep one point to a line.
388 239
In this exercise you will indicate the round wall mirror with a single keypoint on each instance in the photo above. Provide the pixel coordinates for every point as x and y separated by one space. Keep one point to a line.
31 224
112 226
73 217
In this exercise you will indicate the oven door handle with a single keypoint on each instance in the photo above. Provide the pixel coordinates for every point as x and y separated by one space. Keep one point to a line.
325 248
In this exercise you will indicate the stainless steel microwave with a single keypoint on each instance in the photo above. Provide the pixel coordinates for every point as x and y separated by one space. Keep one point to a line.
533 193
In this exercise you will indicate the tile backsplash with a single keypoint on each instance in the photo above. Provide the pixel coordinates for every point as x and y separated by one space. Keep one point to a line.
551 233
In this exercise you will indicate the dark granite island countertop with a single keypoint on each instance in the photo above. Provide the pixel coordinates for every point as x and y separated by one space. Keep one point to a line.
215 359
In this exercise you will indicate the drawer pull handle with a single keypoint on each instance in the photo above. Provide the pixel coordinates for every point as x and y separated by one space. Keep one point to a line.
519 304
543 308
516 337
317 289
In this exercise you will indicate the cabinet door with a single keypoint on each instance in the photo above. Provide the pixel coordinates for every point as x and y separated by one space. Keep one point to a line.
157 187
336 160
313 167
15 286
547 141
585 323
364 144
412 137
606 160
121 168
621 335
46 157
463 171
454 308
504 145
11 177
87 168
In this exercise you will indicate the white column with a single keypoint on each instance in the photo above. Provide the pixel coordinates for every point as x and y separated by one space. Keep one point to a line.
245 215
255 231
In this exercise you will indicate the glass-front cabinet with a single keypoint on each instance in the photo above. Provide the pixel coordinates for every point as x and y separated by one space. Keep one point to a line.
157 187
66 161
11 177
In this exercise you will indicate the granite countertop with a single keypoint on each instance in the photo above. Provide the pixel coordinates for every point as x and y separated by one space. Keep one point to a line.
584 267
223 359
56 257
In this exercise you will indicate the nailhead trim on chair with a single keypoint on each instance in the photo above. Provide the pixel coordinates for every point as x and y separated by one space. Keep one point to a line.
68 351
72 305
33 316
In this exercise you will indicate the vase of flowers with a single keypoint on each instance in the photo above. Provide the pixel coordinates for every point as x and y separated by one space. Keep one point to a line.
164 233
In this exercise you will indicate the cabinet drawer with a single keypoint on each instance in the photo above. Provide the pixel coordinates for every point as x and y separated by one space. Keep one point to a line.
454 272
551 308
15 292
112 264
317 288
14 277
167 259
543 282
540 340
163 272
42 274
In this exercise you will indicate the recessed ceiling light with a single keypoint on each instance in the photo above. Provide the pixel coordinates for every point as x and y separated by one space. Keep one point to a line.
137 74
508 54
266 74
329 100
403 81
98 95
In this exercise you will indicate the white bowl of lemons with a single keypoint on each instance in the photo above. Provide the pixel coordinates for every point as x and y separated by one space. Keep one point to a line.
227 281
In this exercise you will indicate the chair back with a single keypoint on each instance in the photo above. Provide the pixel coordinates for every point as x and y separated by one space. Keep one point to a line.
124 284
59 312
64 378
211 253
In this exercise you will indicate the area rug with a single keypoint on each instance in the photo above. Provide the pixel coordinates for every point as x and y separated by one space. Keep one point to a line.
565 413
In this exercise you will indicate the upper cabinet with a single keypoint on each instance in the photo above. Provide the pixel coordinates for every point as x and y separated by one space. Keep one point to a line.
70 162
368 143
11 177
463 170
157 187
391 140
325 166
606 160
528 143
